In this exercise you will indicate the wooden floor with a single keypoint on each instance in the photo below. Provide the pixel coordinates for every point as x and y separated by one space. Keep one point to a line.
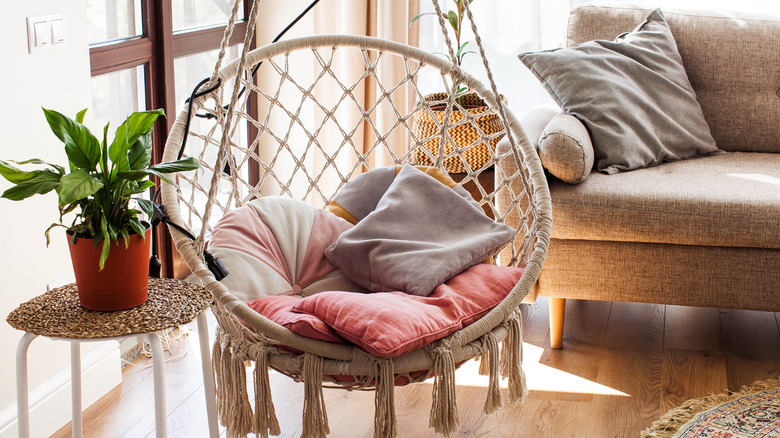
622 366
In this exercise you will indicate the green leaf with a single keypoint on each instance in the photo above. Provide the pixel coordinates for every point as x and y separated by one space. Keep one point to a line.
80 116
14 174
138 227
460 49
453 18
417 17
56 167
146 206
106 242
82 148
140 154
44 181
77 185
189 163
135 175
127 134
159 170
113 233
104 151
142 187
126 236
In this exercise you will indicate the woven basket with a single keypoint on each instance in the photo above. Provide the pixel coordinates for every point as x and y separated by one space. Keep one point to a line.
464 135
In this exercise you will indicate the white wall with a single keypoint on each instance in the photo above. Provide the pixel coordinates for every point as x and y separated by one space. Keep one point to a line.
58 79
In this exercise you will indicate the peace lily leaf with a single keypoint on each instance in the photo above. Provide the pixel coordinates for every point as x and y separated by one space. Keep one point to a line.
146 206
140 153
113 233
143 187
135 175
77 185
14 174
106 242
80 116
56 167
138 227
189 163
125 236
128 133
104 151
82 148
44 181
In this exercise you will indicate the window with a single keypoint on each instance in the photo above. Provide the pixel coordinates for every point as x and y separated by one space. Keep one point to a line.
148 54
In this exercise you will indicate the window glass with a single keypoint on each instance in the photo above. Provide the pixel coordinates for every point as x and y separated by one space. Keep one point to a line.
191 14
192 69
109 20
114 97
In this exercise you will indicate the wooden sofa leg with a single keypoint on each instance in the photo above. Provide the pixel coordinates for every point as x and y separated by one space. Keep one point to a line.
557 309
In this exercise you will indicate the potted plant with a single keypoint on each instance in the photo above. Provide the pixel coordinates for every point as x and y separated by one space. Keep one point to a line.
463 134
98 186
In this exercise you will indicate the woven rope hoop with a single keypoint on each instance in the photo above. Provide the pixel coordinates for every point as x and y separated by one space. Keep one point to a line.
307 151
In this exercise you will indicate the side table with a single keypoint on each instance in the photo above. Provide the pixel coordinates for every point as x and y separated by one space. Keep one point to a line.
58 315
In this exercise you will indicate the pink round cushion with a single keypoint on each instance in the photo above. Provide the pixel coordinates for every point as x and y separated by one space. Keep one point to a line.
276 245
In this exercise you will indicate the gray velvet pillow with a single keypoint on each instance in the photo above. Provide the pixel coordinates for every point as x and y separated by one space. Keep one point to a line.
632 94
421 234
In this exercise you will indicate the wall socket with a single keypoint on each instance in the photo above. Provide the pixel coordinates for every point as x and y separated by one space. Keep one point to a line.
45 32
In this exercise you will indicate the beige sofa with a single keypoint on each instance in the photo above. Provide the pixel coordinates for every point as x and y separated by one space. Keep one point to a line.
699 232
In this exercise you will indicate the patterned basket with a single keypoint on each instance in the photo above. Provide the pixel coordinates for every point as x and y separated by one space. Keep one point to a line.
464 135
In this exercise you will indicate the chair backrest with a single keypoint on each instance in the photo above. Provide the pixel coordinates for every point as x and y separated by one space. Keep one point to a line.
329 108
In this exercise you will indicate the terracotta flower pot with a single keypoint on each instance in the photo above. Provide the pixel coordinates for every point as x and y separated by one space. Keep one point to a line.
123 282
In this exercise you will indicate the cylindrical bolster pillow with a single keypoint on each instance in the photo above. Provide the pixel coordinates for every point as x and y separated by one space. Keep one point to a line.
566 150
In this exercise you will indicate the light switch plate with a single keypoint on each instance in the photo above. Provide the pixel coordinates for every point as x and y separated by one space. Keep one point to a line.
44 33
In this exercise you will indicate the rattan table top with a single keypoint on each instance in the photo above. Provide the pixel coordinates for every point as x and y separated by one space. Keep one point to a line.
57 313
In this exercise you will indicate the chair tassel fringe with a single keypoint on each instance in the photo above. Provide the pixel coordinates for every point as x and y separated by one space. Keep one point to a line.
235 411
484 366
493 401
444 407
315 417
265 414
385 424
512 360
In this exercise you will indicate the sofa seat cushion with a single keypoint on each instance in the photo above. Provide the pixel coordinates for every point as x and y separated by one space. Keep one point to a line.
724 200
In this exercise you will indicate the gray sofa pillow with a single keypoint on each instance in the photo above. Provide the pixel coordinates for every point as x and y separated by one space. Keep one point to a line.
421 234
632 94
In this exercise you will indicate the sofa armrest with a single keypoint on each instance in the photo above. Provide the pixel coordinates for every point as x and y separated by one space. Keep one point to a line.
566 150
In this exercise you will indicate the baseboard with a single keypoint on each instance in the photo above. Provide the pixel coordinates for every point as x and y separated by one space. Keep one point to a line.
50 402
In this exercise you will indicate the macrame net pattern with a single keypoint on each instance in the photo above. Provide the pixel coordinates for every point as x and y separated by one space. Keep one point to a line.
321 123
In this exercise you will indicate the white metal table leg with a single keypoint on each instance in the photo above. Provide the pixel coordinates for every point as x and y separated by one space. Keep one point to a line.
75 390
22 395
208 375
158 361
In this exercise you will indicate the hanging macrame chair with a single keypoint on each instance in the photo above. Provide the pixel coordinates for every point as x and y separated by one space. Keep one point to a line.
290 156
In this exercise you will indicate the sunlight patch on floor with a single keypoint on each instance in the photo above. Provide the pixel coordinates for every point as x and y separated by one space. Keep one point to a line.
539 377
757 177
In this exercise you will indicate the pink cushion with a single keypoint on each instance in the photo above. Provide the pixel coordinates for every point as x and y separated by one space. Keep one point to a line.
393 323
278 308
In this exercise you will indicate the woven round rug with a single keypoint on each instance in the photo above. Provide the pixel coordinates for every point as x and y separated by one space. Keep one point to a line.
753 411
